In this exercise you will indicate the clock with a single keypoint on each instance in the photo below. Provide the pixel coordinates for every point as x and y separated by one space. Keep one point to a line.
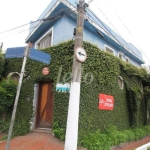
80 54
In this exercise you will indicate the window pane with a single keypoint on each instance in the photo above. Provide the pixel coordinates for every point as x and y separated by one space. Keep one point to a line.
45 42
109 50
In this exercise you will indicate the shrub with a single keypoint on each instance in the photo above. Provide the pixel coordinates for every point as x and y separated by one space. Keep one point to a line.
7 95
1 63
58 131
112 137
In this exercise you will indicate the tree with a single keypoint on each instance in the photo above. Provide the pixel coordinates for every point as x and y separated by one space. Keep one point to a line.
1 63
7 96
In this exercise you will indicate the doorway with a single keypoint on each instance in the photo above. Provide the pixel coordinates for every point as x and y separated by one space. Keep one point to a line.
44 105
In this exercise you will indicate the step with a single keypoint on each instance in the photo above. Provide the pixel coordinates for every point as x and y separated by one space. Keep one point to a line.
43 130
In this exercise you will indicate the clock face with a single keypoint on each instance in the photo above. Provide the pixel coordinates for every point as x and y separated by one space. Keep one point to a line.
80 54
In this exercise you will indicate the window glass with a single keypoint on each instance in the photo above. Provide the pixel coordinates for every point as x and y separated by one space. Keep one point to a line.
45 41
109 50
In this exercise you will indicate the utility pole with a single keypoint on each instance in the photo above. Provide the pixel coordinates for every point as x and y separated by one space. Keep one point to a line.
74 99
17 98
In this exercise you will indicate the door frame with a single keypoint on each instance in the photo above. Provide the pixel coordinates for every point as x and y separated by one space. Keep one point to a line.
37 102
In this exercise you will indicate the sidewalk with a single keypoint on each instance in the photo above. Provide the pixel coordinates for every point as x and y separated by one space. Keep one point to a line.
46 141
34 141
133 145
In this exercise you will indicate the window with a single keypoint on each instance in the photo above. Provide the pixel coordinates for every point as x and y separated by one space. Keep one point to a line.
120 55
45 40
120 82
148 114
109 50
14 76
127 59
142 89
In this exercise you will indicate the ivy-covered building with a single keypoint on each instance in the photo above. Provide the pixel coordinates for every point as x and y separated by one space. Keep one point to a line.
43 105
60 27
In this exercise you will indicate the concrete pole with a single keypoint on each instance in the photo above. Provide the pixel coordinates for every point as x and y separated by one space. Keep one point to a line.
74 99
17 98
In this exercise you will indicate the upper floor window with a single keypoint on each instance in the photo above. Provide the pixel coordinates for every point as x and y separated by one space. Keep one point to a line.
120 55
45 40
127 59
109 50
120 82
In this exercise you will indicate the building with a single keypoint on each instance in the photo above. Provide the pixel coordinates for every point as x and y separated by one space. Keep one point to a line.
57 24
147 68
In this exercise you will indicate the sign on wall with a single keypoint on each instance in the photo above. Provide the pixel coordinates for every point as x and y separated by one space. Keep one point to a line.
106 102
63 87
45 71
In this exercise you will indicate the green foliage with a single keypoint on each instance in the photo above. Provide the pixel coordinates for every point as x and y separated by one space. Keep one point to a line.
58 131
4 125
112 137
7 94
1 63
99 75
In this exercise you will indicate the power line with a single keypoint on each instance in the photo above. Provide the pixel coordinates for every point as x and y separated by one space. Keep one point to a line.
18 27
28 29
18 33
61 11
107 31
128 31
45 21
115 29
90 1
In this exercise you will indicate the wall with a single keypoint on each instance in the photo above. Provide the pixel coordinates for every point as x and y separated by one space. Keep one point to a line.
63 26
63 31
105 70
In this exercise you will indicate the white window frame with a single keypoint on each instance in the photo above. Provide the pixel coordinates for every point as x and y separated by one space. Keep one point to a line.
128 59
48 32
122 82
109 48
119 53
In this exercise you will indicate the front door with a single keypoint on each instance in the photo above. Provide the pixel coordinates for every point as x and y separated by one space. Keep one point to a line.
44 105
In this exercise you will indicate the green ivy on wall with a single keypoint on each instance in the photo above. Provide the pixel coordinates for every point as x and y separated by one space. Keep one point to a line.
100 74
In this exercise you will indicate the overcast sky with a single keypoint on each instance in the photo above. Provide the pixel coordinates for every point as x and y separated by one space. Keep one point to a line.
133 13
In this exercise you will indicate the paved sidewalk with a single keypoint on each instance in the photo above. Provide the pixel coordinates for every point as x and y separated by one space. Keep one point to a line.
133 145
34 141
46 141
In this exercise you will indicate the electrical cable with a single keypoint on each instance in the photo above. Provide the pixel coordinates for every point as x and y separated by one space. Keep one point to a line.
18 33
18 27
61 11
108 32
66 12
115 28
128 31
90 1
32 27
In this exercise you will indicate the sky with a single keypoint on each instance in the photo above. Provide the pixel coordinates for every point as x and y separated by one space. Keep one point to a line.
129 18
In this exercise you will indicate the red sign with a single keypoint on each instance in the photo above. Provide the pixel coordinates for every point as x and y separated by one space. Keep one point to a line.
45 71
106 102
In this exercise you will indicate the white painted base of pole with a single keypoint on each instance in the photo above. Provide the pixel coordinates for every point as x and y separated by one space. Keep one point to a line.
73 117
